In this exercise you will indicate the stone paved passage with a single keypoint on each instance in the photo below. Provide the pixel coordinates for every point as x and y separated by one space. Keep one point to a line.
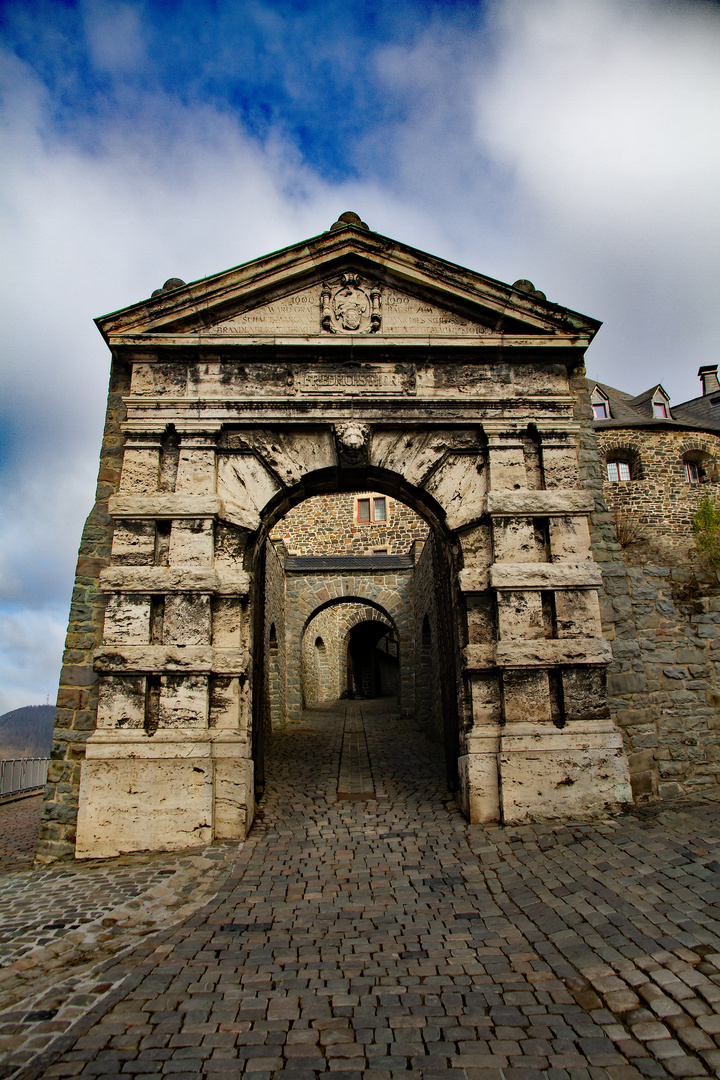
383 936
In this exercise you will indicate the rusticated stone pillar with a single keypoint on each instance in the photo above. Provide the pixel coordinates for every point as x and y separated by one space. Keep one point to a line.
169 765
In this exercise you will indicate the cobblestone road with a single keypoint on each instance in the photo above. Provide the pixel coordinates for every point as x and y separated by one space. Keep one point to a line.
19 823
371 933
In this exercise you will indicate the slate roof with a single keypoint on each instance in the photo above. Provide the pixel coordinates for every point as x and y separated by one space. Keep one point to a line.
626 411
319 564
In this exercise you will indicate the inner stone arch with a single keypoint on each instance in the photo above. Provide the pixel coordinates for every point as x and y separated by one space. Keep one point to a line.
325 673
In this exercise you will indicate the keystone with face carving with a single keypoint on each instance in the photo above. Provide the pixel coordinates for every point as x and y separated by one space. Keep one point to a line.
352 440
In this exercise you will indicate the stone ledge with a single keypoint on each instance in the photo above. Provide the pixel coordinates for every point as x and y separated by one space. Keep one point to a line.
560 739
174 579
164 505
545 503
553 651
113 743
545 652
201 659
586 575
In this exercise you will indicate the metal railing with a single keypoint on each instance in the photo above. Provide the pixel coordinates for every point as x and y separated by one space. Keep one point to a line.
22 774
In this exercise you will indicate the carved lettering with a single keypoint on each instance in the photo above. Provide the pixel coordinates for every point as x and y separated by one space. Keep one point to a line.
323 380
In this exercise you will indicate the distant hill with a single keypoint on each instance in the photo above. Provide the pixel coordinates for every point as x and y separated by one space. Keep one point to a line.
27 732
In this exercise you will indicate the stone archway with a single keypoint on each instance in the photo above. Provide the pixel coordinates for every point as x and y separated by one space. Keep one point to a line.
324 674
454 393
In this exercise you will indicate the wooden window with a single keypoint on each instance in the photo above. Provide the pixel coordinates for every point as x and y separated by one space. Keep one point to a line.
372 510
692 472
660 409
618 470
600 410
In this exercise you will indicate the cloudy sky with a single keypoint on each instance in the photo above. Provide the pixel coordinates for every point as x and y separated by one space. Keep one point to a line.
572 142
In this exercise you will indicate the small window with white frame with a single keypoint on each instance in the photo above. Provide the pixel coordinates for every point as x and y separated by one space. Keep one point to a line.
371 508
600 404
618 469
692 472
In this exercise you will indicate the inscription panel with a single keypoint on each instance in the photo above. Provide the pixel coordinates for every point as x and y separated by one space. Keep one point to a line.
310 314
361 379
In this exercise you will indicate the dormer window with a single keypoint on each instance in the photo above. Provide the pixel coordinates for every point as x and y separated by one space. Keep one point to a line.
660 405
600 404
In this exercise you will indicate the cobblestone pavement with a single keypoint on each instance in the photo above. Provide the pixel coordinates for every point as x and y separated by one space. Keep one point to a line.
19 822
381 936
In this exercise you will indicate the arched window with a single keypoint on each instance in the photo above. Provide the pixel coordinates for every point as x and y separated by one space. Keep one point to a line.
697 464
619 469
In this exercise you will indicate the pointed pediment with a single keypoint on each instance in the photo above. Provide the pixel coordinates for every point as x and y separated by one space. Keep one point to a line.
348 283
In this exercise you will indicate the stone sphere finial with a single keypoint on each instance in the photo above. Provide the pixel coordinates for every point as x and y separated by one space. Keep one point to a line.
171 283
348 218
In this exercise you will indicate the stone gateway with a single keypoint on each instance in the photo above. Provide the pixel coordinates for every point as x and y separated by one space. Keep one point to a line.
347 363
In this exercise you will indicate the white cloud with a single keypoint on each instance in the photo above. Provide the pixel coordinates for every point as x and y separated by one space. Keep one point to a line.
575 145
607 116
30 649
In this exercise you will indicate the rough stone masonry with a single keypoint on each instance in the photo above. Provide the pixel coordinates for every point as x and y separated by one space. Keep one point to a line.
348 362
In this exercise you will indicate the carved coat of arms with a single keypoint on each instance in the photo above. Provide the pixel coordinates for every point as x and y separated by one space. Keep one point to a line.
351 308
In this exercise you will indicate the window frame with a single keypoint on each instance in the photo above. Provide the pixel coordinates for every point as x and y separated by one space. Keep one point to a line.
372 501
600 405
690 467
617 462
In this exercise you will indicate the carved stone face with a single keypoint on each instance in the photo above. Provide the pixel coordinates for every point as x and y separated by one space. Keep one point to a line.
351 435
350 305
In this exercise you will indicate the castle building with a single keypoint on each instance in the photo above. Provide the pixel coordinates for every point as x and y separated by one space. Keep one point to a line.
661 608
658 459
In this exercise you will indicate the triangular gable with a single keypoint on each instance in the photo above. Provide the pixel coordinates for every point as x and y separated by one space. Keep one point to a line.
319 309
298 292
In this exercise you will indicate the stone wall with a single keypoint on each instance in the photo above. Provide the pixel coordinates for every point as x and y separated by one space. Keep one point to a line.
665 683
657 505
327 525
662 620
275 654
76 714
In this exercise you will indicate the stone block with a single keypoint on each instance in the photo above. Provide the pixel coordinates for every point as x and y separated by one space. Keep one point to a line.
626 682
127 619
556 785
478 793
234 792
131 805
